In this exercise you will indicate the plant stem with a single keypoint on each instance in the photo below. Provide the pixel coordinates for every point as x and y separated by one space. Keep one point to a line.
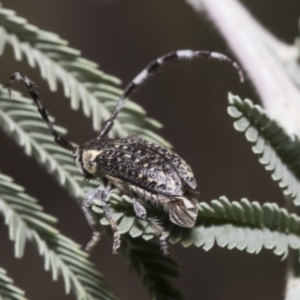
267 60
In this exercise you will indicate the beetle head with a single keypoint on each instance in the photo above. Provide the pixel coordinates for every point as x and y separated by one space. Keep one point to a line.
86 158
82 164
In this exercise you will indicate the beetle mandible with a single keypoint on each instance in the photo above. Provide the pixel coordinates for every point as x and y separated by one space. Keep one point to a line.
138 168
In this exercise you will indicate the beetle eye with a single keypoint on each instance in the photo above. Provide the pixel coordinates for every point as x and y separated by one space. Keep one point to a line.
78 162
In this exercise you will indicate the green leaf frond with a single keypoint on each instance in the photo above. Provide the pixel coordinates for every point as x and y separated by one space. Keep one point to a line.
8 291
277 151
244 225
82 81
154 269
21 120
63 257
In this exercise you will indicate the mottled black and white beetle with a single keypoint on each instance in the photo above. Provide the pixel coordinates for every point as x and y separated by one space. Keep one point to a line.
136 167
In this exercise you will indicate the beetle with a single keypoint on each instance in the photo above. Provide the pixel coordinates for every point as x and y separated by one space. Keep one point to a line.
137 167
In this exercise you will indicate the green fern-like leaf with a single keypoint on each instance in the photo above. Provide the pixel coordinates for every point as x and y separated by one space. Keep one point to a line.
8 291
154 269
27 221
21 120
277 151
83 82
243 225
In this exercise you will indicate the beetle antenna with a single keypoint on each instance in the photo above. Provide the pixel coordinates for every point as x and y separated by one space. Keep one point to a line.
157 65
33 91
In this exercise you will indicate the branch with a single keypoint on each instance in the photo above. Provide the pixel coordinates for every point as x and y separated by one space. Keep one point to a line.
269 63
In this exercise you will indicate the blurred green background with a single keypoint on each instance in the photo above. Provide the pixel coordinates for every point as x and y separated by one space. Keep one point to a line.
189 99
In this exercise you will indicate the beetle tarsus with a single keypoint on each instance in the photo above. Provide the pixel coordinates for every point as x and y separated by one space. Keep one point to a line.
96 237
164 246
87 203
117 242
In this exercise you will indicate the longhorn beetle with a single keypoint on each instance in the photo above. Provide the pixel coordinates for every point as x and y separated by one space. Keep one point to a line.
138 168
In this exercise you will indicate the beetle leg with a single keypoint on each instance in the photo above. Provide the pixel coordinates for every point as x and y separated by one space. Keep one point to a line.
101 193
113 225
142 213
87 203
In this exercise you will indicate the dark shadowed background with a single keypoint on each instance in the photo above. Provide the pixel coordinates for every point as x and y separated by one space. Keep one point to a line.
189 99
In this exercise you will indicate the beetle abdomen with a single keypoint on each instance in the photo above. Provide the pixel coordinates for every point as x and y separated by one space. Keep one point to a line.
182 209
